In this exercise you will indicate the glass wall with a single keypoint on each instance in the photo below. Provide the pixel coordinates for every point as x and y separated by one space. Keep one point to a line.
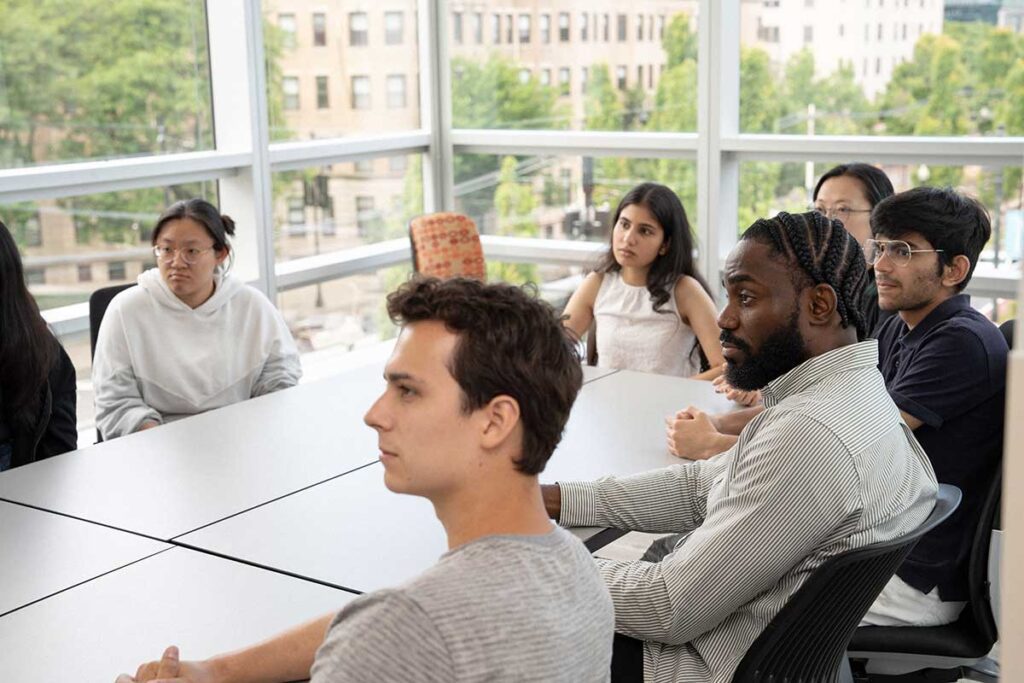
99 79
575 64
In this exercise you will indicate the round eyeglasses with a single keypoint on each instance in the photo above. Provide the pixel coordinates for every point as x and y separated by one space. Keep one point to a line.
188 254
898 251
839 213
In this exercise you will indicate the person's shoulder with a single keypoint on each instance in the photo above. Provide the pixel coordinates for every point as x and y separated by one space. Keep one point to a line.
969 334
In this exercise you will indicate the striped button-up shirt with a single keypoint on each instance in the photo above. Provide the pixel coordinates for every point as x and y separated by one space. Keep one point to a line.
828 466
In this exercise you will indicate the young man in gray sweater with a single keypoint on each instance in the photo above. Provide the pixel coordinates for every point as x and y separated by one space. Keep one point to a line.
479 388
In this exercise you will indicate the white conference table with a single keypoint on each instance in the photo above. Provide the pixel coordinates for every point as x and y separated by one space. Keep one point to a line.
42 553
185 475
111 624
353 533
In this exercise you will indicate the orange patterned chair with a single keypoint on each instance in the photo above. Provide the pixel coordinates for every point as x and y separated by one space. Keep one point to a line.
446 245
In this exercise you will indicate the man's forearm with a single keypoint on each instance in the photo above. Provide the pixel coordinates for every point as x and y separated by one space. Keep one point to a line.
552 495
734 422
287 656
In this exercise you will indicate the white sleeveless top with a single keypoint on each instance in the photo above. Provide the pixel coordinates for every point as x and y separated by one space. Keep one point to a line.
632 336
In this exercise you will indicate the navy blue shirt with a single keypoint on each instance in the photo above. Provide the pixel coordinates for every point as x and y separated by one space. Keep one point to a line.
950 373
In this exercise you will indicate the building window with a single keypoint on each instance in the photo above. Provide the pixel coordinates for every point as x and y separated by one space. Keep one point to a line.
904 31
878 65
358 28
650 77
563 80
457 28
360 92
116 271
661 27
398 164
478 28
545 28
509 28
524 76
622 28
286 22
322 100
363 167
496 29
364 214
808 34
879 31
319 29
545 76
85 272
584 76
584 27
842 30
639 28
394 28
37 276
524 28
290 85
396 91
563 27
620 77
606 27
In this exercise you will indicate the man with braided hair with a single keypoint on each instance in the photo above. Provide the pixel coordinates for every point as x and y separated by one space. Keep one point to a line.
827 467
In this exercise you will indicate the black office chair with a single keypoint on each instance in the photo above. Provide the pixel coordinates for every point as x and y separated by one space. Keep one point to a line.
939 653
806 641
98 302
1007 329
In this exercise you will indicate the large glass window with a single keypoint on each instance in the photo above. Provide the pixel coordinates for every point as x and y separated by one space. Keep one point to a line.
379 45
486 92
945 78
319 29
98 79
317 210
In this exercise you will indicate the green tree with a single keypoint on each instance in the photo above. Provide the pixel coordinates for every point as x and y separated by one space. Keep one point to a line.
514 204
603 109
680 42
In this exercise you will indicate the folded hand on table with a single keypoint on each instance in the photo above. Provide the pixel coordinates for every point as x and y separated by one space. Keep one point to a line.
693 434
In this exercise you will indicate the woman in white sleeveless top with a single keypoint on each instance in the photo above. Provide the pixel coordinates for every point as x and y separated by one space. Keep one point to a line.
653 310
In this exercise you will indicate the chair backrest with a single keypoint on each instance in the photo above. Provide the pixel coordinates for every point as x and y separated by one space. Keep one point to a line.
978 575
98 302
806 641
1007 329
446 245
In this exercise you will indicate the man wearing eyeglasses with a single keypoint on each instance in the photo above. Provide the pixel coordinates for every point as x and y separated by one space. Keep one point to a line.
944 365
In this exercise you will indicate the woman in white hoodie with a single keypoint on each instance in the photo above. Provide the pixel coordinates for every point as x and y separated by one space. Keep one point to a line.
191 337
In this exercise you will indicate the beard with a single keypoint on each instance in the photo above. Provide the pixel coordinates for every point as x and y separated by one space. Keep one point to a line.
782 351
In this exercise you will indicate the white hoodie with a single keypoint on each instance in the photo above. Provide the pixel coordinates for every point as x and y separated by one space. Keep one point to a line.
157 359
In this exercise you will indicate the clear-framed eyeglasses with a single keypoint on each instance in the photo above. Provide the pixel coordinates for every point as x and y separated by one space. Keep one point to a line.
837 213
898 251
189 254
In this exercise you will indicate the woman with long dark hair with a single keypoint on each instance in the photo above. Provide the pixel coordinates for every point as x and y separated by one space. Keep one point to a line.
37 379
191 337
653 310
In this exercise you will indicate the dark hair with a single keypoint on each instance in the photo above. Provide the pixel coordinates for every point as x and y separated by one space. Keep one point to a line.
876 184
823 252
27 349
955 223
509 343
678 260
203 212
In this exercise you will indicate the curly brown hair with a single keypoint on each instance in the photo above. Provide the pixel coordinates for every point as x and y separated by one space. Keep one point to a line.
510 343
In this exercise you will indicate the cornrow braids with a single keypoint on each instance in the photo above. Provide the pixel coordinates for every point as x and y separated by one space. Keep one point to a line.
824 253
